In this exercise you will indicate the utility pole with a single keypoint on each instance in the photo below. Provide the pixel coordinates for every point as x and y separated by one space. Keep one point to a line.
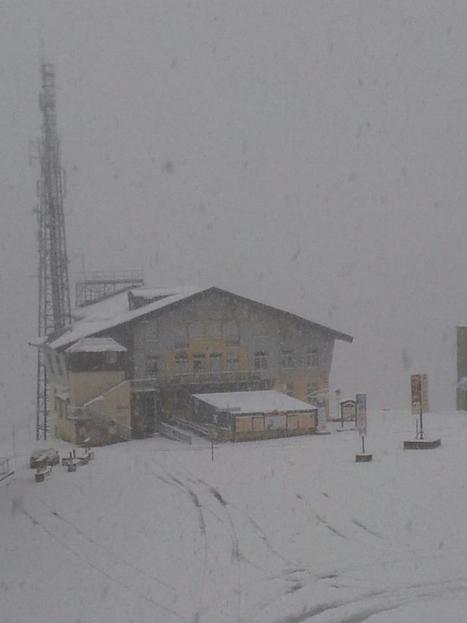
54 309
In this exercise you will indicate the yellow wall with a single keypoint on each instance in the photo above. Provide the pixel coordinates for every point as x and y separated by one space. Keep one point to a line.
85 386
299 421
53 403
66 429
300 384
115 404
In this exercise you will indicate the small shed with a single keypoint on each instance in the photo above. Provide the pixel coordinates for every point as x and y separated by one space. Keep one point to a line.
242 416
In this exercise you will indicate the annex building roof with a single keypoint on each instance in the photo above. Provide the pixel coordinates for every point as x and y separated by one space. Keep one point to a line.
244 403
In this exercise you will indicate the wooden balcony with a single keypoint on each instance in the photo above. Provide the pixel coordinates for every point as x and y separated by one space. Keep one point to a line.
225 377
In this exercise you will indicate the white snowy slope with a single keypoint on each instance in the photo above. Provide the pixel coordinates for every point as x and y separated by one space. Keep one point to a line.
280 531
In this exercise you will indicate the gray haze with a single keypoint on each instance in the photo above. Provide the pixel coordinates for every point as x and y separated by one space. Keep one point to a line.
310 154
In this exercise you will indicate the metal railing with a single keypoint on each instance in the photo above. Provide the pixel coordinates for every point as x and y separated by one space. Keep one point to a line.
206 376
173 433
194 378
100 276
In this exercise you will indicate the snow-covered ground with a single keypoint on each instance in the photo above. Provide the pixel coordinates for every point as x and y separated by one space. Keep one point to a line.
280 531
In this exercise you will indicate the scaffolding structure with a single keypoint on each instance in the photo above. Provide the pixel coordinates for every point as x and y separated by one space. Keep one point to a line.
97 285
54 309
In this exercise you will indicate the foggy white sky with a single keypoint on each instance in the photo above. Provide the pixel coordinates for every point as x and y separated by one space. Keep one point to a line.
310 154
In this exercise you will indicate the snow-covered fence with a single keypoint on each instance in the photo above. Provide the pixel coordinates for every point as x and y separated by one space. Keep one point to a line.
173 433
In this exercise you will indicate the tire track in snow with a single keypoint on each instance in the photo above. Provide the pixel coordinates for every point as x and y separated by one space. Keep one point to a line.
327 525
105 549
267 542
202 527
97 568
389 599
250 519
363 527
235 554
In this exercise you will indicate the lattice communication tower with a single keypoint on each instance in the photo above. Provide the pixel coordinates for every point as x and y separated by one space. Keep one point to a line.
54 310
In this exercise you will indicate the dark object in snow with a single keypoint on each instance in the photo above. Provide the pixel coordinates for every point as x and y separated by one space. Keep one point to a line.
37 456
421 444
87 456
363 458
43 469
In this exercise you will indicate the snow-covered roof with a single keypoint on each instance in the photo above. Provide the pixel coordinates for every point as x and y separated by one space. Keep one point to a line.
96 345
115 311
111 313
242 403
106 308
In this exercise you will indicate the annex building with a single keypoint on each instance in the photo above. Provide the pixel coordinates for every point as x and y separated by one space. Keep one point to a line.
138 357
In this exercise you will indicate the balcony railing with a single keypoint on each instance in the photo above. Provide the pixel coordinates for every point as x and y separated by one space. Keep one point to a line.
194 378
206 376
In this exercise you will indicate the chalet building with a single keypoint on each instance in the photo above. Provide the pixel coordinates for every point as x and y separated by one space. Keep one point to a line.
137 357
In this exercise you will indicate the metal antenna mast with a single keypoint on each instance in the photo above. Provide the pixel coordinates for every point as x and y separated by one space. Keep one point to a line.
54 311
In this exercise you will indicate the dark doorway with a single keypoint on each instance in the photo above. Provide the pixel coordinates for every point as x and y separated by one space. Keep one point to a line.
146 418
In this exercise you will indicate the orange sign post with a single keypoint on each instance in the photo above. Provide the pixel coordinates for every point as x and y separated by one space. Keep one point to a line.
419 402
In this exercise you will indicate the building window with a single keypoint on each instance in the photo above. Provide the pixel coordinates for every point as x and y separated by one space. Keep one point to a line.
199 362
312 358
215 362
181 363
231 332
261 360
312 393
181 337
152 365
287 359
232 362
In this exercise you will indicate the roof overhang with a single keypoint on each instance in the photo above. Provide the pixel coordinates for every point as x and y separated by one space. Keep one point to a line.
96 345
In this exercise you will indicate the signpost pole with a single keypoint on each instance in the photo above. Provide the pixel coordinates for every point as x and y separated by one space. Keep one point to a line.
339 407
361 420
420 429
419 396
